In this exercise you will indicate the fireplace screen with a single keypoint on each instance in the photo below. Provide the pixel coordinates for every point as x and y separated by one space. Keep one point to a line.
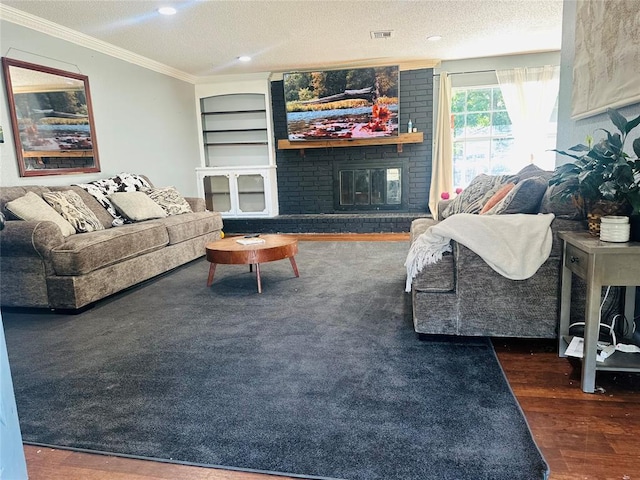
370 188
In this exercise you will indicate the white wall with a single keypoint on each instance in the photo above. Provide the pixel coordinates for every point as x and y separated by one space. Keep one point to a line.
572 132
145 121
484 68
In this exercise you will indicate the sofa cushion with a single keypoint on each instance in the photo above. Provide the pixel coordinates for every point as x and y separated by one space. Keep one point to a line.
81 254
72 208
532 170
32 207
525 197
169 199
472 198
190 225
136 206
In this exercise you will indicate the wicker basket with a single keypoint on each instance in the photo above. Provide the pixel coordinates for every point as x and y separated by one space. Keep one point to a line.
602 208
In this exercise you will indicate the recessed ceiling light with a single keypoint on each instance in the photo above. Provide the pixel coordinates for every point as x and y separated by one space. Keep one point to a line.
167 11
244 58
434 38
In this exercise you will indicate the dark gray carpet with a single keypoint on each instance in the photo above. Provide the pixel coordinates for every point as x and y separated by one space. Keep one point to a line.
320 375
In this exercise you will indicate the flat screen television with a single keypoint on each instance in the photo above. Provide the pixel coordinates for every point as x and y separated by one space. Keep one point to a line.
342 104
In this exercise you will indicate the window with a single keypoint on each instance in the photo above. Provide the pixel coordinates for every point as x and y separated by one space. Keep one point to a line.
483 137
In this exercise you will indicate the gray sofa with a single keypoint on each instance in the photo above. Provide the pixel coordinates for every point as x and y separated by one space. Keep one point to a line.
39 267
462 295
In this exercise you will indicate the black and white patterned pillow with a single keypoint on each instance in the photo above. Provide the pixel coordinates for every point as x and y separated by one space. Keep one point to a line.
123 182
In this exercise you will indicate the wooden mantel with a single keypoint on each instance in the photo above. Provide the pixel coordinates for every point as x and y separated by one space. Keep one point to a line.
417 137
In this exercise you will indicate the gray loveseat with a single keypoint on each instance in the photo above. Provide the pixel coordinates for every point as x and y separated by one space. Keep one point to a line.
462 295
39 267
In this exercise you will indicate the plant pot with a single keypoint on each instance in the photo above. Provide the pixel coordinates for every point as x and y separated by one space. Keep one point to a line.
602 208
634 221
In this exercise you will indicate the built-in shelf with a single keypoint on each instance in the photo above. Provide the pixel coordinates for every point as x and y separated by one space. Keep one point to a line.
400 140
232 112
227 130
209 144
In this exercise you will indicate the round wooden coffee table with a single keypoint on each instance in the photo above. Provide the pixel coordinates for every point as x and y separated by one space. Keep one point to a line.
230 252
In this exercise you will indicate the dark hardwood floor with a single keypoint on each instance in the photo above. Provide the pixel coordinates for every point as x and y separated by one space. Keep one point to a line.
582 436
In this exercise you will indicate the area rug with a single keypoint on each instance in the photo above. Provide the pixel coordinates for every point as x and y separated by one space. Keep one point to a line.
320 376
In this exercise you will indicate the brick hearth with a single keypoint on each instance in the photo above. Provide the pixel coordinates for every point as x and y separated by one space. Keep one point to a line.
325 223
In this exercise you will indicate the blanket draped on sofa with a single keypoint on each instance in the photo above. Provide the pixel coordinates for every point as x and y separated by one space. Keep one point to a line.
514 245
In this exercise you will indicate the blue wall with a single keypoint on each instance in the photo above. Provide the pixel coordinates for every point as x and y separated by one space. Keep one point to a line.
12 464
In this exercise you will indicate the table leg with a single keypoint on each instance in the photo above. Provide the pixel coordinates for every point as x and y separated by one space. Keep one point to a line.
295 267
212 270
258 278
250 267
630 306
565 309
591 334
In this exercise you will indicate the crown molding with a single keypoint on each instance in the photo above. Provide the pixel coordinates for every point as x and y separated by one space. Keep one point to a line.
27 20
403 65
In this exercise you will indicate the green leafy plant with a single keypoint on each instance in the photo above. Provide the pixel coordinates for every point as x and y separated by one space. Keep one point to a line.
603 171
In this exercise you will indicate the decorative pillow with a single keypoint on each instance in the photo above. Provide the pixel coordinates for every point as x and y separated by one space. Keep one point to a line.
32 207
169 199
123 182
532 170
496 197
73 209
472 198
557 200
525 197
136 206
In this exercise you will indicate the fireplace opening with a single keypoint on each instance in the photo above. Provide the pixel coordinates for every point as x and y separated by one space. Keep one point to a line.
371 186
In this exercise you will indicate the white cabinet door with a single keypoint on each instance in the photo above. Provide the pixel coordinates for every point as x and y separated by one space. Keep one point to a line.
239 192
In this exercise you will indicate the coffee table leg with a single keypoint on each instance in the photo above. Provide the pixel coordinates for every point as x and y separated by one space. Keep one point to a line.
258 278
295 267
212 270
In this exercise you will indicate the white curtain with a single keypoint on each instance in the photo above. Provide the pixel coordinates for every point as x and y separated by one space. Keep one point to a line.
529 94
442 164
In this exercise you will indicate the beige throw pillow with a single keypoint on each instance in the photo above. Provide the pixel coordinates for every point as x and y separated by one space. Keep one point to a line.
32 207
74 210
136 206
169 199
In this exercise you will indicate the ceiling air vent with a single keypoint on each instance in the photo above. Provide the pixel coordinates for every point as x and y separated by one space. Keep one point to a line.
381 34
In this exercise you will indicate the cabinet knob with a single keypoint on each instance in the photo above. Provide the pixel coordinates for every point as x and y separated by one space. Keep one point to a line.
574 259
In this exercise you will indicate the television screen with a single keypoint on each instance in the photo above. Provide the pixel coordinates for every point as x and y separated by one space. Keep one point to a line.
342 104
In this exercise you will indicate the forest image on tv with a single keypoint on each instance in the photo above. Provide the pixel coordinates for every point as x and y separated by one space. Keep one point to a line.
342 104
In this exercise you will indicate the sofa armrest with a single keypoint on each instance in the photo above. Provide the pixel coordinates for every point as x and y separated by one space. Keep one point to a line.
196 204
23 239
442 204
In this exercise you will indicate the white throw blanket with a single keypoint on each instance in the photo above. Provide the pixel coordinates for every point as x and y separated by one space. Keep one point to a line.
514 245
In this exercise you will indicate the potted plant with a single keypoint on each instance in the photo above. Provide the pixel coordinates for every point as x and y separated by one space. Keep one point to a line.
603 178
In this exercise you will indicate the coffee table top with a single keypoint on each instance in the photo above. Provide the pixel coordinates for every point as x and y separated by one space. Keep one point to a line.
274 247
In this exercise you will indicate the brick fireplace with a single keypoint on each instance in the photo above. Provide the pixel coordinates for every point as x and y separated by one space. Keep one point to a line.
309 185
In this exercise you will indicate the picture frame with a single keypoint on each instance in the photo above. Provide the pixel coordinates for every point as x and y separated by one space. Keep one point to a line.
52 119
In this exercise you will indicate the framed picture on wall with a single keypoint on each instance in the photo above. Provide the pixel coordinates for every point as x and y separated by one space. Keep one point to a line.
52 119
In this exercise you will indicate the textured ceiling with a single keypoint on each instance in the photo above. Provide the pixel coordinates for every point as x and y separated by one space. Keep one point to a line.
206 37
